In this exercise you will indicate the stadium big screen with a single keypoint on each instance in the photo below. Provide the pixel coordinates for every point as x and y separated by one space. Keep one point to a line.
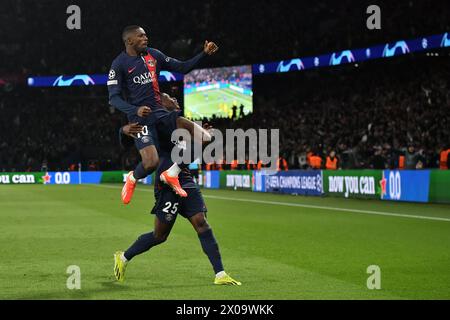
217 91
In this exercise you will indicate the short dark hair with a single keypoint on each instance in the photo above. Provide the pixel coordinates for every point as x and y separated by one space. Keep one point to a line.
127 30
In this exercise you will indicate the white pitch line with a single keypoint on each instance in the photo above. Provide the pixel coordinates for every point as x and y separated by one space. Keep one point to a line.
332 208
289 204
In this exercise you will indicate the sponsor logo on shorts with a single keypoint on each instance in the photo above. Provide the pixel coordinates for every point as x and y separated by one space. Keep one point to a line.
169 217
145 139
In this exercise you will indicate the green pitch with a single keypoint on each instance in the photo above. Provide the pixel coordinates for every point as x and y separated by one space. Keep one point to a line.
280 247
218 102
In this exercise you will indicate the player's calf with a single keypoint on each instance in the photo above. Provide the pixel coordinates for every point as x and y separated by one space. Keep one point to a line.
150 165
199 223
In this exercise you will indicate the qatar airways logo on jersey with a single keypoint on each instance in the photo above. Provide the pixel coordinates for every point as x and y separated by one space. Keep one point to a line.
145 78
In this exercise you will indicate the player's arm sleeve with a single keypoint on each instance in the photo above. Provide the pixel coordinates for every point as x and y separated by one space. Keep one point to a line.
115 82
118 102
171 64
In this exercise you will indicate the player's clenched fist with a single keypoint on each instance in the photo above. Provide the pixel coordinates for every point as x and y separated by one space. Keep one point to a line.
144 111
210 47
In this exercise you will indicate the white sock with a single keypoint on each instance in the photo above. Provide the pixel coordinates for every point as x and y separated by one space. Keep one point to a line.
174 170
207 136
220 274
122 257
132 178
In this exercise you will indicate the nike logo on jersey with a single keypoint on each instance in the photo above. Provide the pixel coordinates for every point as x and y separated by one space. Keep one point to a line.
131 70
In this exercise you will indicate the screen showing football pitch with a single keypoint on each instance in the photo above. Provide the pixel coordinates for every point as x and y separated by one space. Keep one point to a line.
220 92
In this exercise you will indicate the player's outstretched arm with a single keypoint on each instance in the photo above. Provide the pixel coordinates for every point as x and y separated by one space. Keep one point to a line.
199 134
184 67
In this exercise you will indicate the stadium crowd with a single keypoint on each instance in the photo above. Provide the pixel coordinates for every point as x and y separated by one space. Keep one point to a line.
380 115
370 116
50 131
384 114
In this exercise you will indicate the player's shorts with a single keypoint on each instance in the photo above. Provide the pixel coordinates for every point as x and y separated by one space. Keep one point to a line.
148 137
158 128
168 205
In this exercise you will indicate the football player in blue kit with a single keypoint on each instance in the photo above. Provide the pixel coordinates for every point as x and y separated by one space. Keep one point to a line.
169 205
134 89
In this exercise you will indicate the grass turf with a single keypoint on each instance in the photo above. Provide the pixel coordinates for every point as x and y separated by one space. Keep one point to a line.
277 250
196 106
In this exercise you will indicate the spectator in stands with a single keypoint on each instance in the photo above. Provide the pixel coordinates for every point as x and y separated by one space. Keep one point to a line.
412 158
378 160
332 161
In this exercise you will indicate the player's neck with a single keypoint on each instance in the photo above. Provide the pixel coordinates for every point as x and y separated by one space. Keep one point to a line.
132 52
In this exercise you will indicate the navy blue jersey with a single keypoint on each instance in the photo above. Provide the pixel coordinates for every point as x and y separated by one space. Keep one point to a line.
133 80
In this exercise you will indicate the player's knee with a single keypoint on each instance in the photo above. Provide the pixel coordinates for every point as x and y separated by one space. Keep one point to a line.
161 237
201 225
150 163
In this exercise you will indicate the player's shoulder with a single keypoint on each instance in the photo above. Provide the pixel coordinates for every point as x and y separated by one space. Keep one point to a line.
119 59
153 50
155 53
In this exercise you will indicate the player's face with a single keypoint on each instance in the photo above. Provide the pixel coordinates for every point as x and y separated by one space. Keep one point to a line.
169 102
139 40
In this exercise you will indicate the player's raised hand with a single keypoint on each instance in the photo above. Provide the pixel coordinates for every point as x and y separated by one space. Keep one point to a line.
144 111
132 129
210 47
